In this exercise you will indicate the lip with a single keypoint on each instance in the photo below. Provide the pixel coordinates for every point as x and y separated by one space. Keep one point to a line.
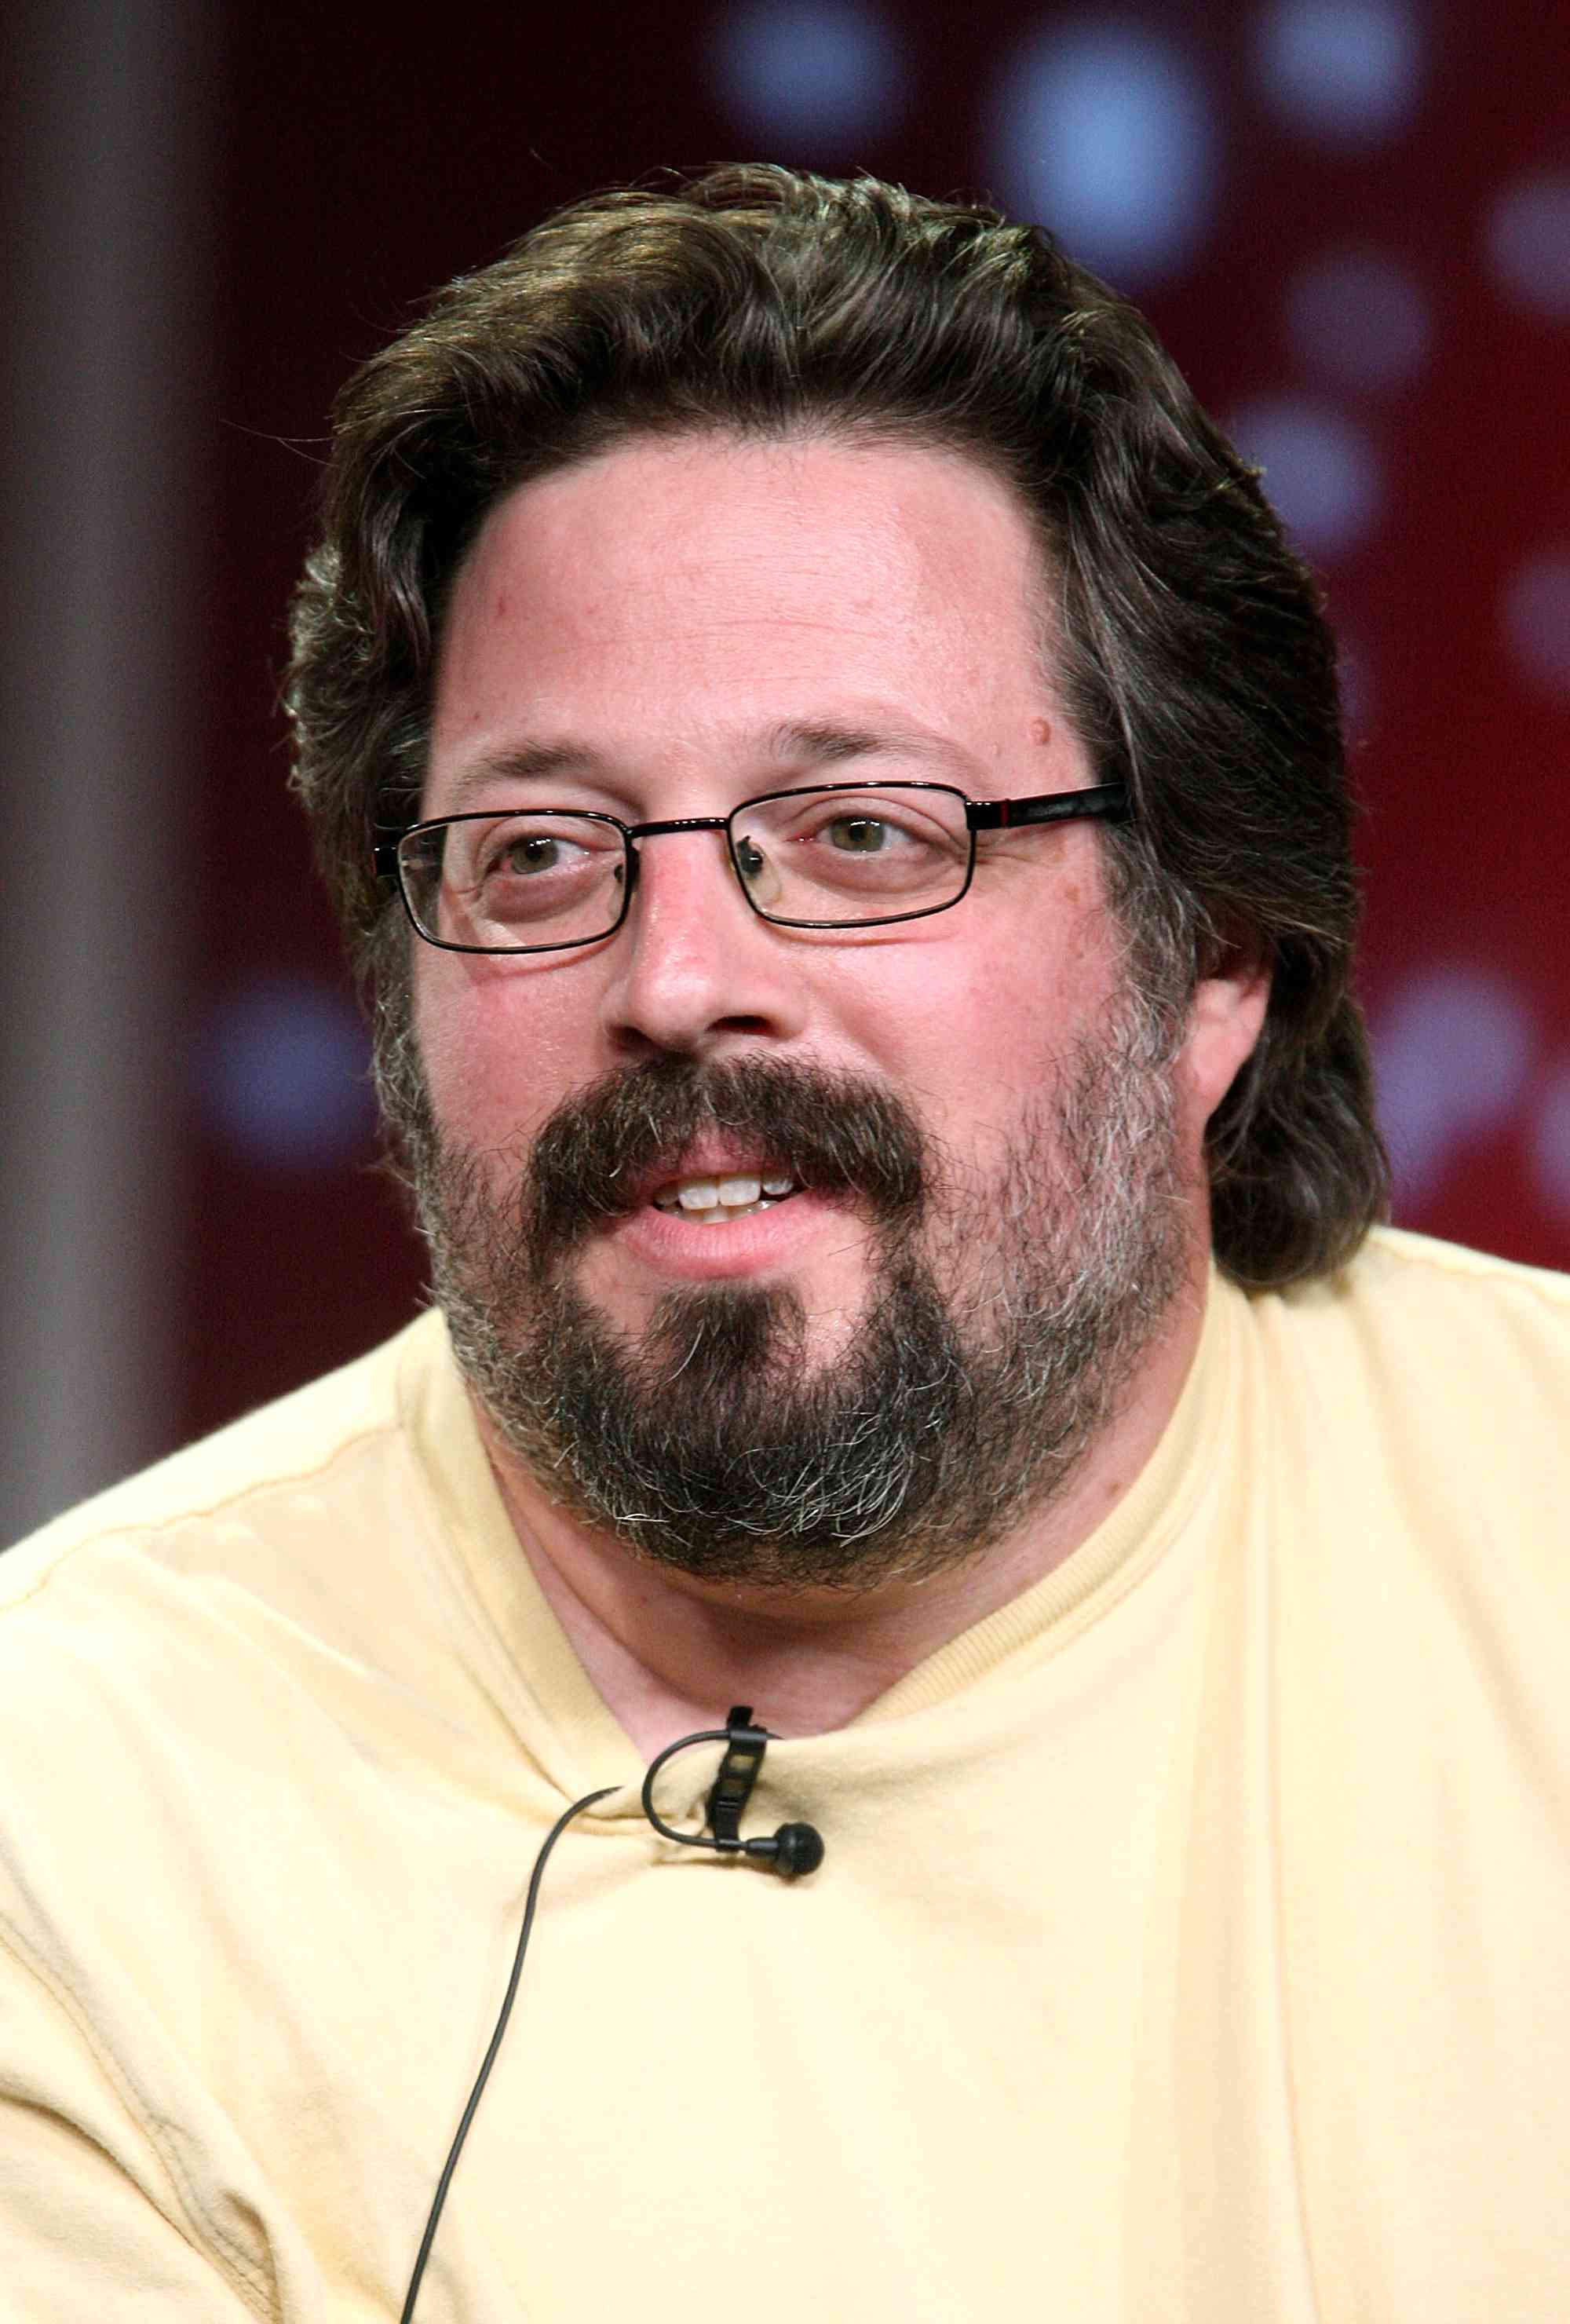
769 1242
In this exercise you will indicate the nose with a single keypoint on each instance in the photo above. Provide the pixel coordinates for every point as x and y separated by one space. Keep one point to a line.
694 967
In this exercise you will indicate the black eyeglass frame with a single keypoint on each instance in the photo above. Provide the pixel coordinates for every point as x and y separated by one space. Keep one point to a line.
1101 802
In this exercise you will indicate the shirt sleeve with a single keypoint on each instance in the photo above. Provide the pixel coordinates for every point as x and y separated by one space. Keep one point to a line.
93 2218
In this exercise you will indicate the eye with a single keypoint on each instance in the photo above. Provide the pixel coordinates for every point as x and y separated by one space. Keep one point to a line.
862 834
534 851
828 858
526 852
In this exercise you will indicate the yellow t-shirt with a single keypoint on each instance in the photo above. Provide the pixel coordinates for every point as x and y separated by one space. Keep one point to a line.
1190 1942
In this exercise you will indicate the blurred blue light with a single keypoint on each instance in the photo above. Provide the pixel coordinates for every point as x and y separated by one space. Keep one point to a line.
1551 1143
1537 619
1104 135
814 74
1528 241
1451 1056
285 1065
1361 316
1320 471
1347 71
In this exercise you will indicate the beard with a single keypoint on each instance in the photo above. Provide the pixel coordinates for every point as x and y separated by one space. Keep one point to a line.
1005 1311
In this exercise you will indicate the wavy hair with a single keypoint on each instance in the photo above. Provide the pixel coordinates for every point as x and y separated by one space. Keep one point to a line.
1194 659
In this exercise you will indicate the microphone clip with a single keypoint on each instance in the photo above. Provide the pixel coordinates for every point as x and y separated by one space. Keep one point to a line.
794 1848
731 1788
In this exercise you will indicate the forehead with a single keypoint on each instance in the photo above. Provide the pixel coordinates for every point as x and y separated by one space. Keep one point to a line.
691 591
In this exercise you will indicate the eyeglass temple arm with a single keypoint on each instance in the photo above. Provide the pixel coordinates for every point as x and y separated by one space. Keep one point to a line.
1107 802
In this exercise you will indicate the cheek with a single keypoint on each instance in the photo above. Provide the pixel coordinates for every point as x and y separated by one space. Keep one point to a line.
973 1031
500 1051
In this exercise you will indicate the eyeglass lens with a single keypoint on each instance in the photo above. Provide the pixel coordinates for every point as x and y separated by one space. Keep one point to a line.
830 858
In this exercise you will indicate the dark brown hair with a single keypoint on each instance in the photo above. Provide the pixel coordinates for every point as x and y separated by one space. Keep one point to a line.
1194 658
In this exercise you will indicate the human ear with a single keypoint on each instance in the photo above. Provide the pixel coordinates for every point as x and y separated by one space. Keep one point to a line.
1225 1014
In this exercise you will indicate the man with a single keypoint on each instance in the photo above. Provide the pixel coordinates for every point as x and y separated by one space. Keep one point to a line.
830 774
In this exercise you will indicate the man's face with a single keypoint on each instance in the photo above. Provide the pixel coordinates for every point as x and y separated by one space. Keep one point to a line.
662 633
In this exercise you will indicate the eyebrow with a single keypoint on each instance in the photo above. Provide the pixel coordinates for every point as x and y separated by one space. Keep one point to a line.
805 743
826 742
524 763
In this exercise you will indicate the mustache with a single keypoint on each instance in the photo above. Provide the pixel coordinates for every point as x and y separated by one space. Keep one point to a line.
836 1131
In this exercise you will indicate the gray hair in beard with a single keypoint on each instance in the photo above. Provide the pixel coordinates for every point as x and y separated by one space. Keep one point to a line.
1004 1314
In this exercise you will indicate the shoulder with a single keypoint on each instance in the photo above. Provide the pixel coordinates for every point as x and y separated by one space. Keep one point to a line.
1422 1336
1420 1396
222 1647
1410 1586
1445 1311
1395 1265
233 1709
282 1474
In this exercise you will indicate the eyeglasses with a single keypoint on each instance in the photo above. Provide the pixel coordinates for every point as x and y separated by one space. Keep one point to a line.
834 855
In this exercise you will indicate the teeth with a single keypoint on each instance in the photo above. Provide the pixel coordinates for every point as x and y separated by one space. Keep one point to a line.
708 1202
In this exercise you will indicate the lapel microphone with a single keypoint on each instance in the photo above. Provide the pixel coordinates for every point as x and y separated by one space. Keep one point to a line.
794 1848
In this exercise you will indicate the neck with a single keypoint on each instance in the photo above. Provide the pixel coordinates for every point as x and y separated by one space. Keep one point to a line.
667 1651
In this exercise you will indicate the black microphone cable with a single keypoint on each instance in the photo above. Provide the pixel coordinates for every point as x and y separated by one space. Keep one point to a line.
794 1848
450 2164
